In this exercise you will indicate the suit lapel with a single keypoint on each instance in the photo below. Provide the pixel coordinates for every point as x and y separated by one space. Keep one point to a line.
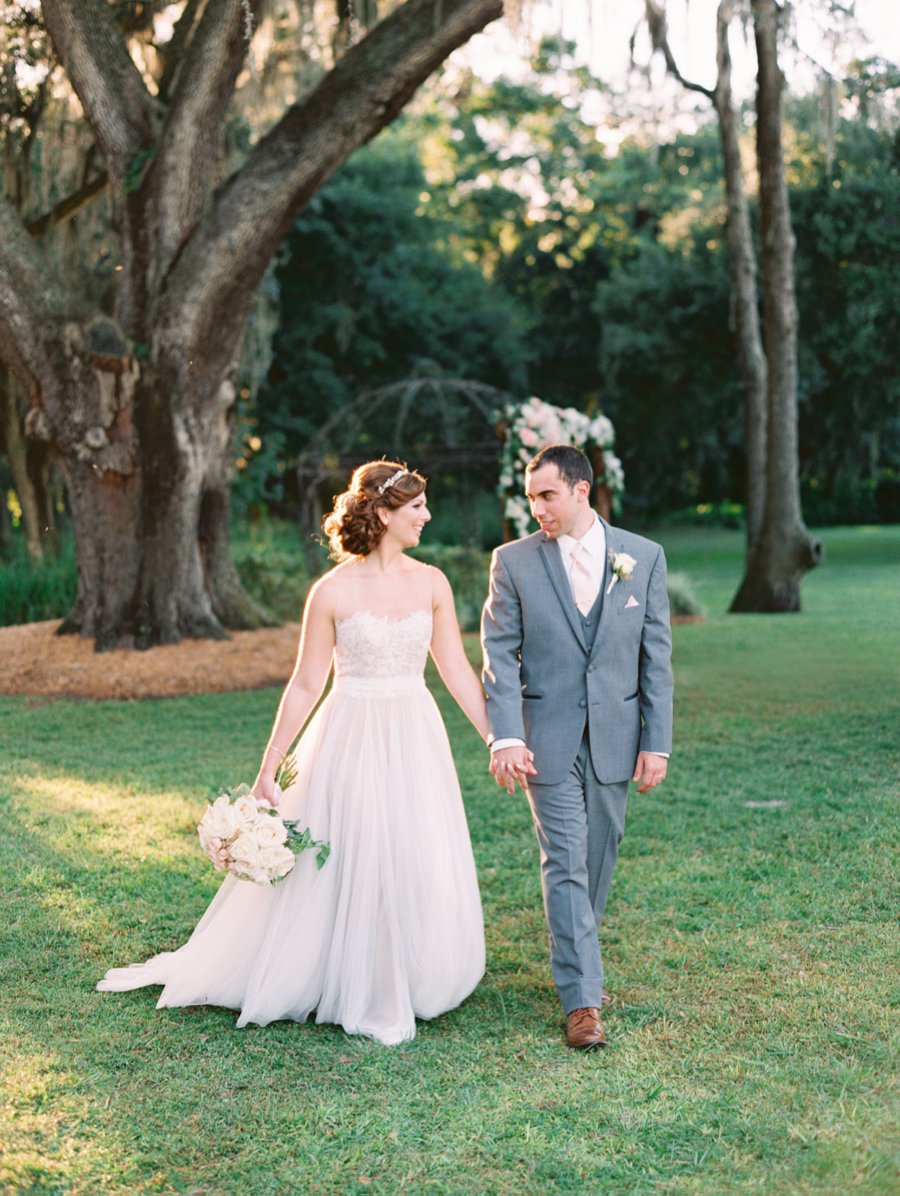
613 544
552 559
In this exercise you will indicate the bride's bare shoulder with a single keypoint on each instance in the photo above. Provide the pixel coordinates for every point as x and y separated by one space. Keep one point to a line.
326 592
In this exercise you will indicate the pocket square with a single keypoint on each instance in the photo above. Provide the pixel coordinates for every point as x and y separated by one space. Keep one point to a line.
632 601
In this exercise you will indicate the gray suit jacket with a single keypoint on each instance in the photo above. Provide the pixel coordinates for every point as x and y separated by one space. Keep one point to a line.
545 683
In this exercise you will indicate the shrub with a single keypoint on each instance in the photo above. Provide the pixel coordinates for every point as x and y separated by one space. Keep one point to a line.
279 581
33 590
847 502
682 599
707 514
467 571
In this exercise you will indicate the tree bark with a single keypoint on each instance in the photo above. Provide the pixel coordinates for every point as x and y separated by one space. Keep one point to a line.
15 449
744 299
784 550
138 410
741 253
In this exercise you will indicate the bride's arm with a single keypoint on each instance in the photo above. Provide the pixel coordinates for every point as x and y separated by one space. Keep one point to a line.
303 689
451 660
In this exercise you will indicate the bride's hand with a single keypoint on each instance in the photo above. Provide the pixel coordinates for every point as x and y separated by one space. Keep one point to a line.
265 787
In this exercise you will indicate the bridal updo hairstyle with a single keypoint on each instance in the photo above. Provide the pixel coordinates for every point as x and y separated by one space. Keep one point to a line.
353 526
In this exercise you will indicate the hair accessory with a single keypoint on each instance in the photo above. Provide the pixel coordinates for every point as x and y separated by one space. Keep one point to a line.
394 478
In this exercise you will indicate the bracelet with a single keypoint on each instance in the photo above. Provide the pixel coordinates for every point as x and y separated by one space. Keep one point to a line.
272 748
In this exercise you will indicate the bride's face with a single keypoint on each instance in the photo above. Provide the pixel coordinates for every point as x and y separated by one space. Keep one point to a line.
405 523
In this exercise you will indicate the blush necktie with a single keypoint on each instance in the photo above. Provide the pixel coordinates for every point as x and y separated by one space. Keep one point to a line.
583 587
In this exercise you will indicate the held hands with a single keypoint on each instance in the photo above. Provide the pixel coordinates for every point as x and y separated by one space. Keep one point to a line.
511 765
650 770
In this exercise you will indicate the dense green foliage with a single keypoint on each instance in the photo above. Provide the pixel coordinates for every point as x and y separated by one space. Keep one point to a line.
749 943
367 293
603 283
31 590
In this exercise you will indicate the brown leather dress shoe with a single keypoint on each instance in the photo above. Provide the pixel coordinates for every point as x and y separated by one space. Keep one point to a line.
583 1029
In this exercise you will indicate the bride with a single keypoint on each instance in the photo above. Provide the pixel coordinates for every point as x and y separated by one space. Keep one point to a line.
391 927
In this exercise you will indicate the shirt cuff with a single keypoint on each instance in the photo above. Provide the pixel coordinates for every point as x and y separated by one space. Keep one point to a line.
497 744
665 755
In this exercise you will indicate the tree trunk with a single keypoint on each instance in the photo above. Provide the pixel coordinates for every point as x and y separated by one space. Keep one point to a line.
39 465
742 271
784 550
741 253
15 448
139 411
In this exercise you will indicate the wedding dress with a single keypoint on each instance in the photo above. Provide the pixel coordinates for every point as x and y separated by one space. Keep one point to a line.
390 929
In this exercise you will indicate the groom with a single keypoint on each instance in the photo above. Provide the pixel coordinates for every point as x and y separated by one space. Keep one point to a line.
577 671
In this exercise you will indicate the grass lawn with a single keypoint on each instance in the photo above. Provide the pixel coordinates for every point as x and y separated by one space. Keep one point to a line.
750 942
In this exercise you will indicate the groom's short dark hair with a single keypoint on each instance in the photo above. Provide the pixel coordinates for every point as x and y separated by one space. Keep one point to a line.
573 465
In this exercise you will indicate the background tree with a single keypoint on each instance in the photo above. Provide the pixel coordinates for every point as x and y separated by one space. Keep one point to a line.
139 404
783 551
741 253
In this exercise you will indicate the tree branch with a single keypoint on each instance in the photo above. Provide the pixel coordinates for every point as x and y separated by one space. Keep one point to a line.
24 306
68 207
190 146
173 55
659 37
116 103
221 266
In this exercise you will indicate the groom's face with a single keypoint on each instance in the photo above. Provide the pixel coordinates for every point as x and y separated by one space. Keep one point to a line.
558 507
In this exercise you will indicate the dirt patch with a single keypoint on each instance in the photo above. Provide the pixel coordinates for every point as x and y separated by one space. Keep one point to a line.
36 662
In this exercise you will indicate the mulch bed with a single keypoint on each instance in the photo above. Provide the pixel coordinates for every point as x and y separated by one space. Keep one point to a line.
35 662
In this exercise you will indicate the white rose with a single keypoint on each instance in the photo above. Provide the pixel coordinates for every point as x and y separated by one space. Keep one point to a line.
602 431
270 832
277 860
623 565
246 812
220 818
528 436
245 850
613 473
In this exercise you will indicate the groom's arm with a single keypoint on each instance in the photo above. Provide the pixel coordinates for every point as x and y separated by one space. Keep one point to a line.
501 643
655 684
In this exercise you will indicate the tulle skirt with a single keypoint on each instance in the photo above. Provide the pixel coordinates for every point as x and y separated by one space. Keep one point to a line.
390 929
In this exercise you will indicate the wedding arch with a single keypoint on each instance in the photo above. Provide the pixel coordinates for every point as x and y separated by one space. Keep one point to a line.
525 428
444 427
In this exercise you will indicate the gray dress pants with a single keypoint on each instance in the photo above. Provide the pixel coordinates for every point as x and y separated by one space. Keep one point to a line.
579 824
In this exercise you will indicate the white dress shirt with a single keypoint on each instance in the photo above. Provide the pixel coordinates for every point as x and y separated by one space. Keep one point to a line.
593 553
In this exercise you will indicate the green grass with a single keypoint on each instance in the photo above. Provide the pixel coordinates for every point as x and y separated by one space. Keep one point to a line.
750 942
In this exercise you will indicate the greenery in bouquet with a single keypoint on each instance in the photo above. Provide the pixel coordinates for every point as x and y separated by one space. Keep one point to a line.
246 836
531 426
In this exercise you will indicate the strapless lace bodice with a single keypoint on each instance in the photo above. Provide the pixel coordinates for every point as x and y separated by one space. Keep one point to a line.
377 652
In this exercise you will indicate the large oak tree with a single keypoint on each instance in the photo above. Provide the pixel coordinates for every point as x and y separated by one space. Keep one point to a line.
138 404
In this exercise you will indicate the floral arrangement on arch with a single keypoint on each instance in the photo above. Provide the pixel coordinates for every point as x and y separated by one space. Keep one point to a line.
529 427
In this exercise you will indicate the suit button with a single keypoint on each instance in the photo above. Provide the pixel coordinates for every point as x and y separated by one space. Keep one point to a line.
582 703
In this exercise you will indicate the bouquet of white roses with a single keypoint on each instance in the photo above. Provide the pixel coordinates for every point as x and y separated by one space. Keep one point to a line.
246 836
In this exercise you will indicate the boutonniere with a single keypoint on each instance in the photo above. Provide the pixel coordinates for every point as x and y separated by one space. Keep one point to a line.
622 566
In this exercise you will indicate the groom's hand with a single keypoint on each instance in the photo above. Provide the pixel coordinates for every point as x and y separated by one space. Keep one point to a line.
650 770
512 765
